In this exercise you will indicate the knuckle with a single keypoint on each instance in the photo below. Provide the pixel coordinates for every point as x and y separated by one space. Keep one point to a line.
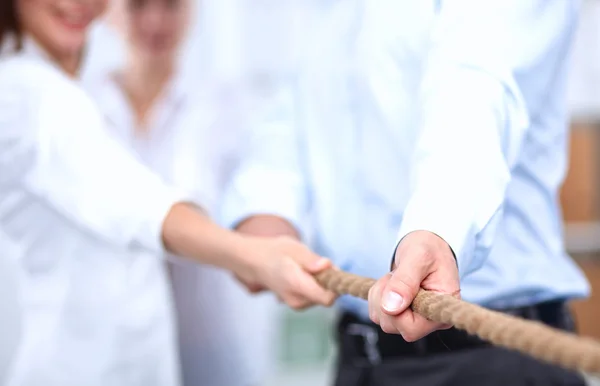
372 292
331 300
326 300
404 283
410 337
424 251
318 296
295 303
374 316
374 296
411 334
387 325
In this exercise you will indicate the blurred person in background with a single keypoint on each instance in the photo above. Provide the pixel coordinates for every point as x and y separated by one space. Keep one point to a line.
436 132
188 130
90 223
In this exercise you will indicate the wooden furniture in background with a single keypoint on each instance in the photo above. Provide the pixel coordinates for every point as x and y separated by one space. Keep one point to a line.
587 312
580 201
580 198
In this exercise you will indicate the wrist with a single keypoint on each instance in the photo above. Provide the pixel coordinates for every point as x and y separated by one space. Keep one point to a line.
242 257
189 233
428 241
267 226
236 254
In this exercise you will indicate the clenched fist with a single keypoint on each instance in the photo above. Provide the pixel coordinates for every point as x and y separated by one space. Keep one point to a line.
422 260
286 267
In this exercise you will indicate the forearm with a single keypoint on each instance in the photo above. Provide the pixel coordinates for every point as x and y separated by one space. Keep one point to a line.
189 233
267 226
279 264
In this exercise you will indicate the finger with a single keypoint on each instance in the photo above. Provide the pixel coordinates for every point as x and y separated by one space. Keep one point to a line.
297 303
373 303
250 287
318 265
386 322
412 326
309 260
306 286
405 282
291 301
374 298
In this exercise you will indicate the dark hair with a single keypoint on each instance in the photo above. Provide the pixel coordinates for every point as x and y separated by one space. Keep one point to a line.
9 23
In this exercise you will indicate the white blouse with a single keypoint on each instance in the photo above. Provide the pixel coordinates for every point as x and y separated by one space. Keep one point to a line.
193 139
86 217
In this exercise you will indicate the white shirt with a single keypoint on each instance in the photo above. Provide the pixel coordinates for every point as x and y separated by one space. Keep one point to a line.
10 305
193 139
447 116
584 93
87 217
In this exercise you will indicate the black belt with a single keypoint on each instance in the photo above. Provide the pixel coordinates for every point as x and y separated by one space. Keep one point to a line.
366 341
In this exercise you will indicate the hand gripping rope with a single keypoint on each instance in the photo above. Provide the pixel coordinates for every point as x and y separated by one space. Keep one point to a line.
532 338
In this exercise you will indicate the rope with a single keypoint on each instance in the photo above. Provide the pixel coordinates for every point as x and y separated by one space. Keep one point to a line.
532 338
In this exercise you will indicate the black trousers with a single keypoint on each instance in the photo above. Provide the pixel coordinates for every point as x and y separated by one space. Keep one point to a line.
369 357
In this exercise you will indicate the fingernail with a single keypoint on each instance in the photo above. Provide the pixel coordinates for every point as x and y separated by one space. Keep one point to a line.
392 301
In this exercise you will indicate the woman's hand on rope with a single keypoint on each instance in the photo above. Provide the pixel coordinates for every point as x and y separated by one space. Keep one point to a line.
286 267
422 260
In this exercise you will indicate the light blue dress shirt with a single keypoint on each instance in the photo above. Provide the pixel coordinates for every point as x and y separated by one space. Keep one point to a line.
447 116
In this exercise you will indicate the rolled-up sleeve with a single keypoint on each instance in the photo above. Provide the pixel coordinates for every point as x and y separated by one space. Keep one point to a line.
70 164
489 69
270 178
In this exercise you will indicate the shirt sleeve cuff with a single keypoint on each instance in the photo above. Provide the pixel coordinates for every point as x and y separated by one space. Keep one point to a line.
153 210
451 223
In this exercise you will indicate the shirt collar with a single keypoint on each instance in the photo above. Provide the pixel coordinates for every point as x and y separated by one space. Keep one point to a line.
30 49
116 106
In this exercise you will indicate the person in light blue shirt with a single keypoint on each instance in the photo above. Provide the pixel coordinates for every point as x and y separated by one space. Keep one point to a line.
434 131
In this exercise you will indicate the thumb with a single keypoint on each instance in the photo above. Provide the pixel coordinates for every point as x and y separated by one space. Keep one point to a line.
403 286
318 265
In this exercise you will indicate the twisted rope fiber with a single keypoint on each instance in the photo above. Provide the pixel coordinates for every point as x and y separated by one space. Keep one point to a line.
532 338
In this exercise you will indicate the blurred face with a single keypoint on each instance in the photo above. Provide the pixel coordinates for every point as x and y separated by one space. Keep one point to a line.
59 26
156 28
